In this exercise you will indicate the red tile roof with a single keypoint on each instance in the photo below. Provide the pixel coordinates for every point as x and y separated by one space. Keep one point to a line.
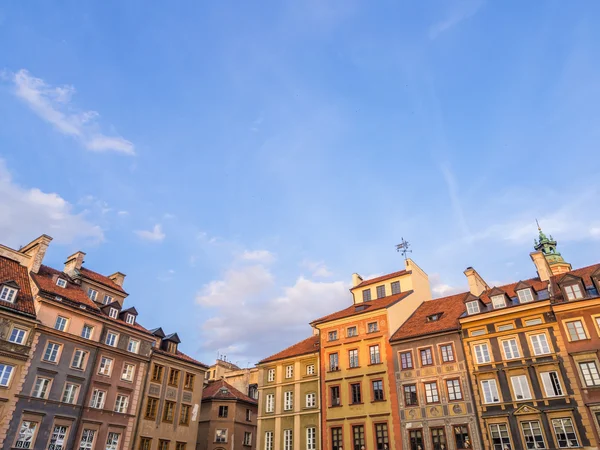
216 391
98 278
308 345
585 273
13 271
46 282
381 278
360 308
181 356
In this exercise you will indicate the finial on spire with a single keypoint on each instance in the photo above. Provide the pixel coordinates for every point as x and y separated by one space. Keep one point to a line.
538 225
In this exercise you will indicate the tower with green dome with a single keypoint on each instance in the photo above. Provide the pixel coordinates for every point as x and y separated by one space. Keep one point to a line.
547 245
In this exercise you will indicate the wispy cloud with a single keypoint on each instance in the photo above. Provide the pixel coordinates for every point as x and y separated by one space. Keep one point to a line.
55 106
461 11
455 199
259 256
154 235
317 268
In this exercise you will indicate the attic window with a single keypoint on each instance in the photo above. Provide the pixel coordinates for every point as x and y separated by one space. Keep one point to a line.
525 295
8 294
498 301
224 391
112 312
434 317
473 307
130 319
61 282
573 291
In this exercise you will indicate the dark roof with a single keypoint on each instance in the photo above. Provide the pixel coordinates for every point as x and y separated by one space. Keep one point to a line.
173 337
130 310
11 270
181 356
98 278
381 278
308 345
221 390
509 289
158 332
360 308
584 273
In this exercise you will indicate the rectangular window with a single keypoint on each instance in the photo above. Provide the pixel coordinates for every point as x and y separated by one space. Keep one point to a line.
454 391
374 354
289 371
333 362
269 440
60 282
532 322
335 395
184 415
336 438
410 395
482 353
351 332
168 412
17 335
366 295
288 400
589 370
576 330
447 353
105 367
490 391
438 439
372 327
128 372
551 384
121 403
358 435
332 336
107 299
353 358
70 393
5 374
145 443
381 436
180 446
87 440
565 433
380 291
112 441
395 287
461 437
41 388
98 398
270 403
521 387
223 411
287 440
310 369
86 332
151 408
377 390
51 353
498 301
271 375
355 393
473 307
479 332
426 357
111 339
511 350
174 377
130 319
416 439
573 292
79 357
163 444
157 373
189 381
26 436
133 346
311 438
61 323
92 294
431 392
505 327
311 400
247 438
113 313
248 415
539 342
533 434
525 296
406 360
500 437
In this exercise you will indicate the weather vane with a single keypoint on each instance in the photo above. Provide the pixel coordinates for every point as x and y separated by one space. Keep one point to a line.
402 247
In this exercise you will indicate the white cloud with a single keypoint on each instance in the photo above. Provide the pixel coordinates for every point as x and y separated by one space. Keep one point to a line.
155 235
53 104
259 256
461 11
123 213
317 268
28 212
441 289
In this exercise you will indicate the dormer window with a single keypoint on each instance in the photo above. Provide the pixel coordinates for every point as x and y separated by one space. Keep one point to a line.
473 307
8 294
130 319
498 301
61 282
573 291
172 347
434 317
525 295
113 312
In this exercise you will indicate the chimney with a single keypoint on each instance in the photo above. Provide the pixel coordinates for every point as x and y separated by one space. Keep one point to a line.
476 284
36 250
541 265
356 279
118 278
74 262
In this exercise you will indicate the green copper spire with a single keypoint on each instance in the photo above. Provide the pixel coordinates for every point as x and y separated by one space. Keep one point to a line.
547 245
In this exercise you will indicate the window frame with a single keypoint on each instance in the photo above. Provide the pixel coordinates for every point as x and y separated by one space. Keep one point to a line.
525 291
552 383
3 369
374 391
535 442
92 294
455 383
57 354
473 307
356 393
569 291
429 352
562 420
378 290
433 390
111 333
450 356
64 323
491 382
546 341
405 361
496 299
366 295
24 335
519 383
352 331
393 285
77 389
137 346
8 294
410 393
374 351
482 345
353 360
105 362
86 326
575 333
512 348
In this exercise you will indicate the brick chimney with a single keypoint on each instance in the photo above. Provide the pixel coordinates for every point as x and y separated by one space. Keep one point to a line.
74 262
36 250
118 278
476 284
356 279
541 265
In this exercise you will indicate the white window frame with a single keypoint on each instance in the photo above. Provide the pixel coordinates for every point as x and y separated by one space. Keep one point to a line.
128 372
573 291
108 299
525 295
105 366
112 441
551 383
289 371
576 330
8 294
271 375
561 422
19 337
532 322
374 354
247 438
510 347
270 403
41 387
492 388
590 373
87 439
113 313
372 327
221 435
288 400
268 440
288 440
98 399
92 294
121 403
130 319
29 437
70 393
61 323
353 358
481 356
498 301
542 343
310 369
352 331
61 282
54 353
311 438
81 365
311 400
473 307
521 389
85 327
528 426
109 334
136 346
6 373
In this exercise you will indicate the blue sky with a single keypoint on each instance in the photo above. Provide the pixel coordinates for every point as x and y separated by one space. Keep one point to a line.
238 161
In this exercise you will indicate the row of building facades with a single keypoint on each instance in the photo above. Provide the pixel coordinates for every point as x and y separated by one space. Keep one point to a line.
505 368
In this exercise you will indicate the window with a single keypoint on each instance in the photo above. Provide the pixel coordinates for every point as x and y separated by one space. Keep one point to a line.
87 440
490 391
377 390
358 434
473 307
113 313
410 395
355 393
380 291
61 282
479 332
128 372
98 398
288 400
189 381
92 294
70 393
61 323
573 292
416 439
540 345
111 339
168 412
121 403
498 301
426 357
438 438
351 332
287 440
505 327
247 438
336 438
434 317
289 371
310 369
163 444
533 434
461 436
112 441
311 438
133 346
270 407
223 411
374 353
271 375
500 439
482 353
86 332
381 436
353 358
5 374
531 322
372 327
551 384
151 408
51 353
26 436
41 388
79 357
511 350
107 299
157 373
184 415
520 387
431 392
269 440
576 330
335 395
311 400
145 443
525 295
333 362
174 377
589 370
447 353
406 360
454 392
366 295
395 287
332 336
17 335
130 319
248 415
8 294
105 367
565 433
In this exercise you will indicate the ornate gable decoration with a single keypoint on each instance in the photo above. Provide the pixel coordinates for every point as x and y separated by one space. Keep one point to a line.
526 409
